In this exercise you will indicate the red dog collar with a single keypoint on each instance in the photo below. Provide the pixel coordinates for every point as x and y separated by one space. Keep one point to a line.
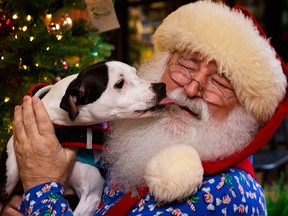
89 137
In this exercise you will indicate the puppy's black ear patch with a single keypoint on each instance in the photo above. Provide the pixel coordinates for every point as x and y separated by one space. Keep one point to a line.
69 100
69 105
86 88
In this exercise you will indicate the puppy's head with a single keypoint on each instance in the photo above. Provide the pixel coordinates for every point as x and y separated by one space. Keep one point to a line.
85 89
112 90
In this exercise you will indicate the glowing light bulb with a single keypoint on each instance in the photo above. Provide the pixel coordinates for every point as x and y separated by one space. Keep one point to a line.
57 26
28 18
59 37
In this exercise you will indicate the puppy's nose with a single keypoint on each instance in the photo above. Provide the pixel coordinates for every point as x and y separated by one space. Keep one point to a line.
159 88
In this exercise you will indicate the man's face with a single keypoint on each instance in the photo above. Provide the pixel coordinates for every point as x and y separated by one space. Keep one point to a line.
208 118
200 79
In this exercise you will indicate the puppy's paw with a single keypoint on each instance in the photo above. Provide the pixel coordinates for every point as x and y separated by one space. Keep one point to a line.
174 173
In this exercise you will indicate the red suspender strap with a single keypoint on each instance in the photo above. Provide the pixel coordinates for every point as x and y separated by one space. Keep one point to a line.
247 166
127 202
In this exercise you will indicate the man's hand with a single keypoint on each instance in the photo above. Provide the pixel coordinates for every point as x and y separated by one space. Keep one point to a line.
39 155
12 206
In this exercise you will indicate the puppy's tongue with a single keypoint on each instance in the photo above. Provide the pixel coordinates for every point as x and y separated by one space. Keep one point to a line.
166 101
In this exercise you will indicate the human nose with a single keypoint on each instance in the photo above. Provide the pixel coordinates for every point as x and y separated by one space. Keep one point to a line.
194 88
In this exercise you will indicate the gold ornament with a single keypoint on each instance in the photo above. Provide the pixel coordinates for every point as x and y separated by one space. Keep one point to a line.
47 19
66 23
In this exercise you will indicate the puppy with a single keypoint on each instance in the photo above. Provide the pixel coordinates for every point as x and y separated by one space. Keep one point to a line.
102 92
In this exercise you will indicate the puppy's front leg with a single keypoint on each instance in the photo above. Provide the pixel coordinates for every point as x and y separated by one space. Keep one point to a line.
88 184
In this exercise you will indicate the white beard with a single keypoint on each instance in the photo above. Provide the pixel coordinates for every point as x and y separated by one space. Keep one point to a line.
132 143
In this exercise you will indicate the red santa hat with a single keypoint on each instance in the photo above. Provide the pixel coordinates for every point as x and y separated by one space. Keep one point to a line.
243 54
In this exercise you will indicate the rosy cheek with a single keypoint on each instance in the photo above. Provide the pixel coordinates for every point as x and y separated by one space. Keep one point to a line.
170 84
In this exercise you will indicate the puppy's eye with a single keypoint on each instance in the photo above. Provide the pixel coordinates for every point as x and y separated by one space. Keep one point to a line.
119 84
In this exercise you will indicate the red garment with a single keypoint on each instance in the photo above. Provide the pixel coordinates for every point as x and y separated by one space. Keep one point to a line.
265 134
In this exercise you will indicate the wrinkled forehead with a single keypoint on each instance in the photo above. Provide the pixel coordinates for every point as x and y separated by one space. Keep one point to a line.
192 54
197 57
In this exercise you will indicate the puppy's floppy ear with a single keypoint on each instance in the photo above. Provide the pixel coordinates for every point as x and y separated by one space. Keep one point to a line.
71 100
69 105
86 88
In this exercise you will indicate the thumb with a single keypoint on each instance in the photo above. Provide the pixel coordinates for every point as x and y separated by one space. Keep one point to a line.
71 153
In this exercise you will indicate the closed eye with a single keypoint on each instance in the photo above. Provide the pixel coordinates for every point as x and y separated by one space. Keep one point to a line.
191 64
220 84
119 84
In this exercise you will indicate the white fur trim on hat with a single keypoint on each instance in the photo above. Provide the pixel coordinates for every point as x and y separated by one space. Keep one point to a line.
242 54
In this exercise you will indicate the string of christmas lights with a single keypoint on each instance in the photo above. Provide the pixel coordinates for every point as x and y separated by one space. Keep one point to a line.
42 43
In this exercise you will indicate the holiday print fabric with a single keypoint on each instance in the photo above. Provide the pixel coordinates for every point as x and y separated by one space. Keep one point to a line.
233 192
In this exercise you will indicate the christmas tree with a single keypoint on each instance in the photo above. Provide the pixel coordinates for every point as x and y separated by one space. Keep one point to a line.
41 42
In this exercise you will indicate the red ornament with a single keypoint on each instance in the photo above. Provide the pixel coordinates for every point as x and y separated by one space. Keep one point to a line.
65 65
5 25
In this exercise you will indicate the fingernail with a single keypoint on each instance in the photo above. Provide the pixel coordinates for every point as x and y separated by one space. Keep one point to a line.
35 99
17 107
27 98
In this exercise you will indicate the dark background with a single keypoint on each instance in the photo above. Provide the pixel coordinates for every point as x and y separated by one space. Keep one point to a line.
272 16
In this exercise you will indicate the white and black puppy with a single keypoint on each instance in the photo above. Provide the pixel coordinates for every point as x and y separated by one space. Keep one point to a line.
100 93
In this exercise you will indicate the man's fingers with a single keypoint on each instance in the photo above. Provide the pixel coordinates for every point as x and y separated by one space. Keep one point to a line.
44 123
29 118
18 126
15 201
12 206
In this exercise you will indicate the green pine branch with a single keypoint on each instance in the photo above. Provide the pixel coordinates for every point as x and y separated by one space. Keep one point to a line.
35 53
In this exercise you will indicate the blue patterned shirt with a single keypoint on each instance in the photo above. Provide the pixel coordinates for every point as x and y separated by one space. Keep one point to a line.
231 192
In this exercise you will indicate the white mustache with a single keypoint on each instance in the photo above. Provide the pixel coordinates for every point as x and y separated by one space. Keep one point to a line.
197 106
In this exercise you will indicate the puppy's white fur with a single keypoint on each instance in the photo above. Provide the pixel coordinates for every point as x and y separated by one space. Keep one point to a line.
113 103
127 102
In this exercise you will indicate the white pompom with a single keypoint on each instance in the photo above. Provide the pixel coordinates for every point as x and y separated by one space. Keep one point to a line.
174 173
